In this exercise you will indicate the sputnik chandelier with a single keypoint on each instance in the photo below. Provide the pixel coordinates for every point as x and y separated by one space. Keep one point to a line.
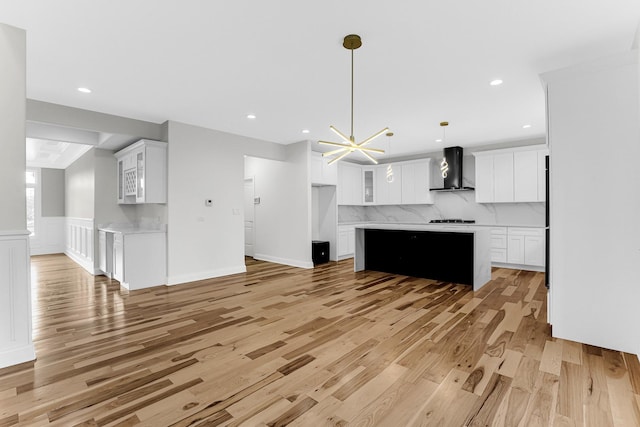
349 145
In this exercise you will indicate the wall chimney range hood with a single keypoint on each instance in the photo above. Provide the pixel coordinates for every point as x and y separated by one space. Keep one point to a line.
453 174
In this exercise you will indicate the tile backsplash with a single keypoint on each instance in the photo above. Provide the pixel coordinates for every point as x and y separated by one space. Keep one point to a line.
460 204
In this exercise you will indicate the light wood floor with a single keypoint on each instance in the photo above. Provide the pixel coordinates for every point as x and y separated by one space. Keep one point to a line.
328 346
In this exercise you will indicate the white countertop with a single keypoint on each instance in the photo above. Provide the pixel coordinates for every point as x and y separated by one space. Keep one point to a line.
130 229
427 224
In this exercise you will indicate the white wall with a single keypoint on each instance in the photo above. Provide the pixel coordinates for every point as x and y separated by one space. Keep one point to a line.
12 129
282 220
80 187
16 345
206 242
595 236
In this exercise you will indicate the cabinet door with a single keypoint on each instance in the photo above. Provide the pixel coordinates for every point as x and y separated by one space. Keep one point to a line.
484 179
140 166
381 186
369 186
408 186
534 250
515 249
316 168
118 257
394 186
102 251
503 177
422 182
343 243
525 176
329 172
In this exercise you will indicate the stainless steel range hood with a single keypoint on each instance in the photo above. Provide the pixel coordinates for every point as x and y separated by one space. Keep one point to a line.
453 174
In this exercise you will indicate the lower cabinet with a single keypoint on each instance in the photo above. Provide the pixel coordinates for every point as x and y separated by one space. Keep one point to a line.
346 241
522 246
136 260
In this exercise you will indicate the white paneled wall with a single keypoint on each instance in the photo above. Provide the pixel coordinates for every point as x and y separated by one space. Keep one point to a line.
15 328
79 242
50 236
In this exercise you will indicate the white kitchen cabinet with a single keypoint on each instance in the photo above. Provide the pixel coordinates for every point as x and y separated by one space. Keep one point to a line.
346 241
503 177
388 193
142 173
416 182
349 184
526 246
510 175
525 176
136 259
499 244
323 173
369 196
484 179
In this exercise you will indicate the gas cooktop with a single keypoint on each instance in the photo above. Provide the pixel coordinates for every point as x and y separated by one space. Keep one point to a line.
452 221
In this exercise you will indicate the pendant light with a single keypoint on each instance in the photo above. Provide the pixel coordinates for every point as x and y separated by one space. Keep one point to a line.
352 42
390 165
444 166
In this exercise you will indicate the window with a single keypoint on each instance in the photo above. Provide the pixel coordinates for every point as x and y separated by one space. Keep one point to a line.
31 180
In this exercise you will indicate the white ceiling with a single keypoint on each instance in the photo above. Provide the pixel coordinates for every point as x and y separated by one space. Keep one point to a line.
210 63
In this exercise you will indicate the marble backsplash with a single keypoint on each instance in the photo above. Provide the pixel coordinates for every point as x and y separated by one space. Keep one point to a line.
460 204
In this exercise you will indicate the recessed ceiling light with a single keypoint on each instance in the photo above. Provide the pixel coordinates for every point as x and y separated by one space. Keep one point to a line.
251 116
526 126
496 82
438 140
84 90
305 130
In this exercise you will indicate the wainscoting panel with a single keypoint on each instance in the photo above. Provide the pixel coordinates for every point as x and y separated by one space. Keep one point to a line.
79 244
16 345
49 237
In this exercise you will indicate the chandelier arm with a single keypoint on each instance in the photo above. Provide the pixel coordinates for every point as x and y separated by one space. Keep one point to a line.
335 159
371 150
337 144
369 156
332 152
372 137
341 135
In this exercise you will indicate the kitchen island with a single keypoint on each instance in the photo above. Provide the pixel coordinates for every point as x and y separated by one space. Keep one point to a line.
458 254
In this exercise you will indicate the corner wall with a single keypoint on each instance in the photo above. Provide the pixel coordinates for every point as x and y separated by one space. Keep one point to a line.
16 344
205 242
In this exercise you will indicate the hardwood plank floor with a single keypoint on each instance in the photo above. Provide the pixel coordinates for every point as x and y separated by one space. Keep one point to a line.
286 346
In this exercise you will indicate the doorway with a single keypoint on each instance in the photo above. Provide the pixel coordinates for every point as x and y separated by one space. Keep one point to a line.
249 216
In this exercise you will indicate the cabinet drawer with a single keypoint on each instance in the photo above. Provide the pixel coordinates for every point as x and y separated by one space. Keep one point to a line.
499 231
498 241
516 231
499 255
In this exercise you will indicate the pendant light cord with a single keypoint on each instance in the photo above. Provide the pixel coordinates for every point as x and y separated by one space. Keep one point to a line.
352 137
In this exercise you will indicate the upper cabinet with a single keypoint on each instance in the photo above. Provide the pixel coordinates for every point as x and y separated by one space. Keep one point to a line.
321 172
406 183
350 188
511 175
416 180
142 172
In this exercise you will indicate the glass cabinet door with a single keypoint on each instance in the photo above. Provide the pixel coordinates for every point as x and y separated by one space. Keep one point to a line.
368 186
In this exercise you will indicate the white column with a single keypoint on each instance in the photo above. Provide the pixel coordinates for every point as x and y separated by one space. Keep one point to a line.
15 286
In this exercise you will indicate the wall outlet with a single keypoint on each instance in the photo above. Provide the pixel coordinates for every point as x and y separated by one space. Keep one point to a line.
256 200
208 202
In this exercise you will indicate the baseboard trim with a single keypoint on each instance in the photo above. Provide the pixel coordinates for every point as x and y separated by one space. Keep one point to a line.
17 355
194 277
285 261
518 266
82 262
